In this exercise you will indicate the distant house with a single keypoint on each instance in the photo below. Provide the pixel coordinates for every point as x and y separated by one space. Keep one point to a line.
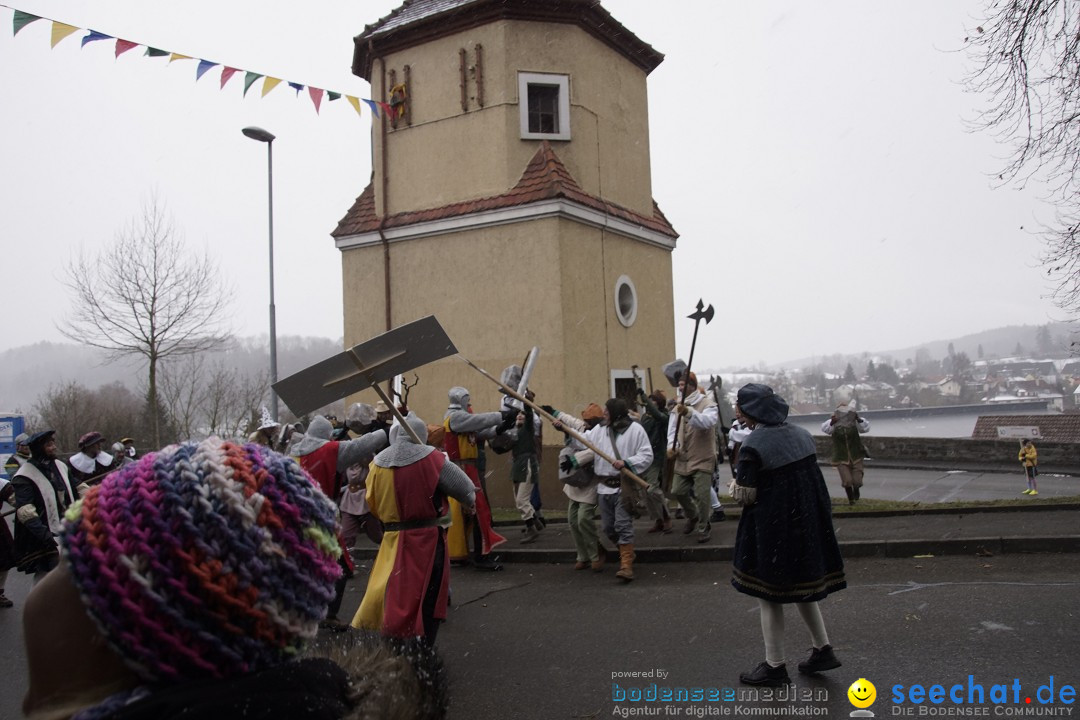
949 387
1052 428
1028 369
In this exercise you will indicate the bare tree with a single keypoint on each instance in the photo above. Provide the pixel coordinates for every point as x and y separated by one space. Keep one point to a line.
231 398
146 295
182 389
1026 56
72 409
67 409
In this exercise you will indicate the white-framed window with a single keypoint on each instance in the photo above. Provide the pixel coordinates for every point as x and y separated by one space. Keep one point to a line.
625 300
544 106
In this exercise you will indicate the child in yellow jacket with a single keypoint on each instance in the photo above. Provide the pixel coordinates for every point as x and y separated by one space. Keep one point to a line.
1029 458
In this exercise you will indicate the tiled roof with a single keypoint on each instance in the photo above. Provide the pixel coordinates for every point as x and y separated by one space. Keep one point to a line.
412 11
545 178
419 21
1052 428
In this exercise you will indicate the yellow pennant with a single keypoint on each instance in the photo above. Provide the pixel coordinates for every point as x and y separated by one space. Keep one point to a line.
269 83
178 56
355 102
61 31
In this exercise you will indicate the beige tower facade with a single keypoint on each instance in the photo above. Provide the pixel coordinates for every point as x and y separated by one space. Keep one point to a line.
511 197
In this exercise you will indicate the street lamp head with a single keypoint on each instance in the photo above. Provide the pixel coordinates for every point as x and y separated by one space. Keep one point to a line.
257 133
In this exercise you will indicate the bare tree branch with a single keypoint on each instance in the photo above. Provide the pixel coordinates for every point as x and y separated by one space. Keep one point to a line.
147 295
1026 56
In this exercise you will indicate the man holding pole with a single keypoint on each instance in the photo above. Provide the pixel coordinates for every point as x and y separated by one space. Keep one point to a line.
694 454
626 442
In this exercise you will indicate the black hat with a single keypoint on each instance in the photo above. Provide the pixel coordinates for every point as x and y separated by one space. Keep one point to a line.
760 403
38 439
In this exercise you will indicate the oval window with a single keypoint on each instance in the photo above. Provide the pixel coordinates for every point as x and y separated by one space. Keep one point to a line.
625 301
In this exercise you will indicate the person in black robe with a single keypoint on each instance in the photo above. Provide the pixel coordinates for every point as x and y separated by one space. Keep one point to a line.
785 546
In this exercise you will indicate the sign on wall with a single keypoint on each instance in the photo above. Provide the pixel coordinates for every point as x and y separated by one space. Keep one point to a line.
1018 431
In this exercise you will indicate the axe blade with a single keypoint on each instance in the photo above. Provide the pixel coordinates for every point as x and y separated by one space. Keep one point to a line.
703 313
673 371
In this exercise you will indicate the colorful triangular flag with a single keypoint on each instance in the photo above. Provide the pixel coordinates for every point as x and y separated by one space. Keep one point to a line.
297 87
316 97
95 35
332 96
122 46
178 56
61 31
269 84
355 102
389 111
373 105
20 20
204 65
154 52
226 73
249 79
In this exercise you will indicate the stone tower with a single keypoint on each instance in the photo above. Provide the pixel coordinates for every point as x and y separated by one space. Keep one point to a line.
511 197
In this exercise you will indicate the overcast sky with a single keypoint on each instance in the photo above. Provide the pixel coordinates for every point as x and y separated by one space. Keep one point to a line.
813 156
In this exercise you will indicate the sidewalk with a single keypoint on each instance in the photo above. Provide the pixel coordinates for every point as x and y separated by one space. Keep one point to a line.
988 531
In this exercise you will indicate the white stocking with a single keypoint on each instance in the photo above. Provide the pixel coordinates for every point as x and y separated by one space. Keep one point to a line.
811 615
772 628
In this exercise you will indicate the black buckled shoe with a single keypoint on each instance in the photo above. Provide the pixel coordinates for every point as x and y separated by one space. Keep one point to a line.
766 675
820 659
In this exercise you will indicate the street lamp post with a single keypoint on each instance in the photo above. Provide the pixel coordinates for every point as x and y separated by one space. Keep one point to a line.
256 133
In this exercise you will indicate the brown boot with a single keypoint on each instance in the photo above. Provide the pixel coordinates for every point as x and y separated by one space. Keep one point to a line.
601 554
580 565
850 495
658 526
626 563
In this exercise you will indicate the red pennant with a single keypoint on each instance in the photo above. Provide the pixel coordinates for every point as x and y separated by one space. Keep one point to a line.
316 97
122 46
226 73
387 110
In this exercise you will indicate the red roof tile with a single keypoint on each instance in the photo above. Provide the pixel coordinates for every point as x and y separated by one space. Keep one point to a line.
545 178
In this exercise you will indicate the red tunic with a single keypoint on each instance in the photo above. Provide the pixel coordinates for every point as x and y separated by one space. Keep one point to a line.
461 448
402 574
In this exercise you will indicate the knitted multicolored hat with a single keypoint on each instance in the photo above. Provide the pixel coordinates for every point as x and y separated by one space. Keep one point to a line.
204 560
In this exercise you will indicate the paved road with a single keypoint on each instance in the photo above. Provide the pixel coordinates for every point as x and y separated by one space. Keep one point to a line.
542 641
934 486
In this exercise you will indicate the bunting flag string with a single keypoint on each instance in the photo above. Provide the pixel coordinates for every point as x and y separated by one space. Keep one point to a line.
60 31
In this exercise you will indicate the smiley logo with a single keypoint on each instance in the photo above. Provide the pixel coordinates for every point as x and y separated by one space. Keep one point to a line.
862 693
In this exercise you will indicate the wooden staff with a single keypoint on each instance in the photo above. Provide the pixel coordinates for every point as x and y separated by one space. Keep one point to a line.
552 419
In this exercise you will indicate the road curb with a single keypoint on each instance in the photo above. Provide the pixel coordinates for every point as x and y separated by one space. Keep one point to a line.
733 514
975 546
